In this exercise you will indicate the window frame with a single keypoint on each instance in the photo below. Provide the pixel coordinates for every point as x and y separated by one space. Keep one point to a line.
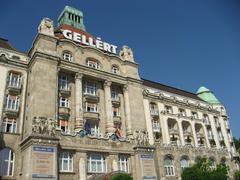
67 56
169 168
64 102
14 79
123 163
115 69
90 88
92 63
63 82
12 104
12 123
68 160
8 162
91 162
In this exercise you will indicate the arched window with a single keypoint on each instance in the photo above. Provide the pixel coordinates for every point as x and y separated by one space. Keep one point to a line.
168 166
6 162
115 69
66 162
212 163
184 162
67 56
93 63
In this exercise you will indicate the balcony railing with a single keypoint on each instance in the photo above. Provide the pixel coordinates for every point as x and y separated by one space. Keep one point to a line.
154 112
156 127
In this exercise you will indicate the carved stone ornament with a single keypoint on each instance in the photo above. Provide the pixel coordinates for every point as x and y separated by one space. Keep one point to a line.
141 138
126 54
44 126
46 27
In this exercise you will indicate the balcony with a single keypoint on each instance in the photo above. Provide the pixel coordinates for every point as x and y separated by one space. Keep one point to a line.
154 113
156 128
91 115
116 101
174 143
65 91
11 112
14 88
91 97
187 133
117 119
64 112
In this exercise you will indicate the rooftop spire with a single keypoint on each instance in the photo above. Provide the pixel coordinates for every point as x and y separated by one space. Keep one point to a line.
71 16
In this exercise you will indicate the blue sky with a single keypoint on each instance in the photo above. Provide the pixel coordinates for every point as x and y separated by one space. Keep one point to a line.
181 43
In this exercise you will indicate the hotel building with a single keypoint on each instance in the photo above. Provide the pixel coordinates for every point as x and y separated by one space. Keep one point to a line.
72 108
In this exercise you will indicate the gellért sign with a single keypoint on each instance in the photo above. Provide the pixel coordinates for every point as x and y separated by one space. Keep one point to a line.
89 41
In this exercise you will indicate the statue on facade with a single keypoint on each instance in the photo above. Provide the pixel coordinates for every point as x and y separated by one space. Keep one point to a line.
126 54
141 138
46 27
44 126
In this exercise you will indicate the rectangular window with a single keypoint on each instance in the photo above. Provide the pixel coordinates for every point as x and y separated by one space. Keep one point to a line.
12 102
182 112
123 164
169 170
90 88
169 109
66 162
64 102
9 125
116 112
14 80
67 56
91 107
153 109
64 126
92 64
114 93
63 83
155 125
96 163
194 115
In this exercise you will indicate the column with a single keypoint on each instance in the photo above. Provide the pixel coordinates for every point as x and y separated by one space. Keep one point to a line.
214 131
181 136
165 132
194 134
206 136
78 101
82 166
148 121
108 106
127 110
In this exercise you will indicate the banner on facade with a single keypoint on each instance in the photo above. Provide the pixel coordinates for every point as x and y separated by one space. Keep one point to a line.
148 166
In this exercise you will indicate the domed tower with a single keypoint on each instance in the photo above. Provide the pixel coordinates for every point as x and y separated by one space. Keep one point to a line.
72 17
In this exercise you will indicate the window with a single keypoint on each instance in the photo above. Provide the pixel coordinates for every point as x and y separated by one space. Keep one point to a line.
67 56
64 126
114 93
91 107
182 112
206 119
14 80
209 133
6 162
116 111
153 109
115 69
12 102
155 125
64 102
168 166
123 163
184 162
195 115
216 120
212 163
96 163
169 109
90 88
66 162
93 64
92 128
63 83
220 135
9 125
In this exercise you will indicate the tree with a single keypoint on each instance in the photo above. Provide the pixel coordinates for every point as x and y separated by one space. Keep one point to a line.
237 175
202 170
121 176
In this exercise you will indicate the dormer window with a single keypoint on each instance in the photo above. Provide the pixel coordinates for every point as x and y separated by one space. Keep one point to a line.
67 56
93 64
115 69
182 112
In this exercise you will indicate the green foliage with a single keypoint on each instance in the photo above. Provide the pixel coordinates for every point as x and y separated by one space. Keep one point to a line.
237 175
202 171
121 176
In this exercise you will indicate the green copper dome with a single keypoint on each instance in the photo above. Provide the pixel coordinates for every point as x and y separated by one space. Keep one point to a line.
207 95
72 17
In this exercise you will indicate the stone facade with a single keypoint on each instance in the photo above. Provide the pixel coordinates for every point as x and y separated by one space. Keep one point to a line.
84 112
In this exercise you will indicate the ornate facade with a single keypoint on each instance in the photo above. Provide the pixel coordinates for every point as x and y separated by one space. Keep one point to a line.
73 111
